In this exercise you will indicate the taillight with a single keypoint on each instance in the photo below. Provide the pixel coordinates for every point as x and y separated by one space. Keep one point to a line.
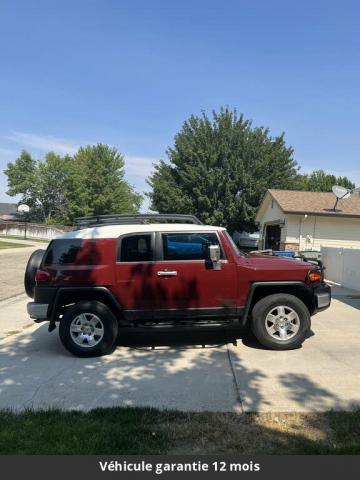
314 276
42 276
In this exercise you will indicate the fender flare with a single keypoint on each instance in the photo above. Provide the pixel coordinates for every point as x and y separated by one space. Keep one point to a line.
64 290
256 285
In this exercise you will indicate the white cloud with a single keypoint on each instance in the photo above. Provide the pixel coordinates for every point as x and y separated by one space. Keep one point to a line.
43 142
139 166
137 170
134 165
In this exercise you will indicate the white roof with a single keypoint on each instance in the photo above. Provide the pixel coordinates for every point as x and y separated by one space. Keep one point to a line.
114 231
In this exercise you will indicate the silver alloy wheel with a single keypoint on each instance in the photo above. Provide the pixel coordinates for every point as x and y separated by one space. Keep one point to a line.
282 322
87 330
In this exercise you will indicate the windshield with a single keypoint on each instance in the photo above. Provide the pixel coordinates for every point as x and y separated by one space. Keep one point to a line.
233 244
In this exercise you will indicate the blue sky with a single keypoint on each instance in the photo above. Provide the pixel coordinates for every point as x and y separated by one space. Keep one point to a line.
128 73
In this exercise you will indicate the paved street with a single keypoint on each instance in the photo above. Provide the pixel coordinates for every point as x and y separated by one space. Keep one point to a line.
12 264
35 370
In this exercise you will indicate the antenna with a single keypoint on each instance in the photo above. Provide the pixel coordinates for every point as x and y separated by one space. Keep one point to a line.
340 193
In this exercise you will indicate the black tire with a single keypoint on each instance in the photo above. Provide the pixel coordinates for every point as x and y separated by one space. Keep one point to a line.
110 328
266 305
30 271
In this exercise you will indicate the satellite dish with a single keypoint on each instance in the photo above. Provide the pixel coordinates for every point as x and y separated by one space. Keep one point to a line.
23 208
341 192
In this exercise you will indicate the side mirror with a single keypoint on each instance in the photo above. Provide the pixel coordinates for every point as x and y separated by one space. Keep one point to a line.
215 254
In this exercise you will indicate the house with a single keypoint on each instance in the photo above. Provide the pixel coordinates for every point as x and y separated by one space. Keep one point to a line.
297 220
8 211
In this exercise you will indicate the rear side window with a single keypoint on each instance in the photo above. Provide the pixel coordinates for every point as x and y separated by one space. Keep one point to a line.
135 248
188 246
62 252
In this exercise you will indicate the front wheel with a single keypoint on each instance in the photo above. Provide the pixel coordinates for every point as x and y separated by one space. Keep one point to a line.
88 329
280 321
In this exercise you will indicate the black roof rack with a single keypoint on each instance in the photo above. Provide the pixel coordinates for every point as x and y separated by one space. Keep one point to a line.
126 219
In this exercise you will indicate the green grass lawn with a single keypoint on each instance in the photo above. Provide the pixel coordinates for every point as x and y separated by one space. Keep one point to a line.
149 431
11 245
36 240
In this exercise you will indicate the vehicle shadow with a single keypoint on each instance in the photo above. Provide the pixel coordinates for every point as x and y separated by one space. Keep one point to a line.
172 337
163 370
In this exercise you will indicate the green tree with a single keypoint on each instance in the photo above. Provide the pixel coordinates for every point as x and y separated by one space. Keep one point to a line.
52 184
320 181
220 168
22 178
41 184
96 184
57 189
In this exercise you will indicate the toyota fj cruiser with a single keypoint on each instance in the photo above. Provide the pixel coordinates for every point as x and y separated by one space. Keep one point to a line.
145 270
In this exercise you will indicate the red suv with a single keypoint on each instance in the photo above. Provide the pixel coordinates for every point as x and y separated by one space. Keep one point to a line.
120 271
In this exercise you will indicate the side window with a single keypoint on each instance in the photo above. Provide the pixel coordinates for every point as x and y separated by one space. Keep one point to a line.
188 246
62 252
135 248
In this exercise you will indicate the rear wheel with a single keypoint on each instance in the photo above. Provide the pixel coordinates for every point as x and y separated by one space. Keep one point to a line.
88 329
280 321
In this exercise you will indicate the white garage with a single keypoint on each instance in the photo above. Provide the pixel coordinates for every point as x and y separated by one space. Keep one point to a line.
298 220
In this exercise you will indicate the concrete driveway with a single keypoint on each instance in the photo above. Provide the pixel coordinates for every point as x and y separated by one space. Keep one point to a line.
35 370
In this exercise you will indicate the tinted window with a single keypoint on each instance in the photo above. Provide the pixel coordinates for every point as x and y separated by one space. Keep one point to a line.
188 246
61 252
136 248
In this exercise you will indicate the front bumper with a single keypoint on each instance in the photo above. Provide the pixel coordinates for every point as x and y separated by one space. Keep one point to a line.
322 295
38 311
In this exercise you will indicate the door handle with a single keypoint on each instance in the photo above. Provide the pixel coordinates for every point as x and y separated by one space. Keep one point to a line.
167 273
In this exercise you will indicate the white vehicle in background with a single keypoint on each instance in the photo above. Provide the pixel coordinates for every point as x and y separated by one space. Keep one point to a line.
246 240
